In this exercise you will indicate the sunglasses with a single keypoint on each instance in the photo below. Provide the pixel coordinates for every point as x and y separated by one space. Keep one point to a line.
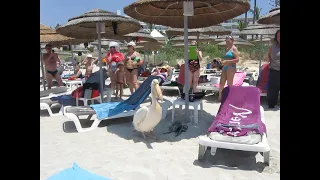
229 37
112 47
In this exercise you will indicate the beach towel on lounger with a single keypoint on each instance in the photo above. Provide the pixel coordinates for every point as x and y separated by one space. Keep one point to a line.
237 80
239 112
76 173
109 109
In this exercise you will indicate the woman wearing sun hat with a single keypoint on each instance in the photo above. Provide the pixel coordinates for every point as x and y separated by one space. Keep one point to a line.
132 62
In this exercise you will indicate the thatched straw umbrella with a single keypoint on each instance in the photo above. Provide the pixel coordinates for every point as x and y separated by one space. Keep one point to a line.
273 17
105 43
223 39
149 46
140 36
263 41
211 30
170 13
201 13
258 29
238 43
200 38
97 23
178 45
48 35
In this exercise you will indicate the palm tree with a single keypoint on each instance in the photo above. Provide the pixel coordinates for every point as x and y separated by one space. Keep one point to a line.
274 3
241 26
256 13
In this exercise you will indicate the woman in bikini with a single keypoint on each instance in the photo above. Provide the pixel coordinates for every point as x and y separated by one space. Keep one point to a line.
194 69
132 62
113 57
229 62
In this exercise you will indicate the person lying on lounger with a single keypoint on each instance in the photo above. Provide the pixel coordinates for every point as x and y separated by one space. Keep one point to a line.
78 73
162 72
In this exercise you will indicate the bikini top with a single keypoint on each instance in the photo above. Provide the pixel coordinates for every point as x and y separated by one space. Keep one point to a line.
229 55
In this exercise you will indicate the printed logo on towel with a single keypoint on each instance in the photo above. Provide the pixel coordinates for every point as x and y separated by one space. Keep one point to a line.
237 117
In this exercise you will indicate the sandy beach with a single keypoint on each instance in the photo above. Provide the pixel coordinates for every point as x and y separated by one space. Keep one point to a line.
115 151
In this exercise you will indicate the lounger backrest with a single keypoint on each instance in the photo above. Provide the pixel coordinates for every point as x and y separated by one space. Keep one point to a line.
142 92
56 90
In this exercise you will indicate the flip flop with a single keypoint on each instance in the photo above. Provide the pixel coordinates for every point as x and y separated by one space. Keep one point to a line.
182 128
173 127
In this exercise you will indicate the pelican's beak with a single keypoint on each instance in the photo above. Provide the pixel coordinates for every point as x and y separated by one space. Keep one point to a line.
159 92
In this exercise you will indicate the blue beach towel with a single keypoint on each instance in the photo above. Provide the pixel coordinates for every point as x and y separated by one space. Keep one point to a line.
76 173
109 109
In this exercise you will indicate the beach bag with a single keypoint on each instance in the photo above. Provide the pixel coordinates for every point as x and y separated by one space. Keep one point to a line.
78 93
94 87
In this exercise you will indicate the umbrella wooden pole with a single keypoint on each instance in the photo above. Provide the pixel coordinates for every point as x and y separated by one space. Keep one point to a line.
42 70
261 55
186 69
100 63
74 62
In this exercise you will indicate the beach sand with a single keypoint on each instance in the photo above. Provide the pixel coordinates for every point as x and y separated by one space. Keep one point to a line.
115 151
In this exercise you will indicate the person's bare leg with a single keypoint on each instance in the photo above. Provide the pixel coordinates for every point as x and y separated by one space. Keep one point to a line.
230 75
58 79
112 79
190 78
121 90
49 80
134 78
129 80
117 90
195 80
223 80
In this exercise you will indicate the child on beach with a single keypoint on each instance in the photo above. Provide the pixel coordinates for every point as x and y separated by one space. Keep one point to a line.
119 75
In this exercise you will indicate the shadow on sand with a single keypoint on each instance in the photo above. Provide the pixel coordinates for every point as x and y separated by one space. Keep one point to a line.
126 131
231 160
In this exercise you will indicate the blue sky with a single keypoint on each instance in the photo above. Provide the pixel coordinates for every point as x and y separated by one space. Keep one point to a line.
53 12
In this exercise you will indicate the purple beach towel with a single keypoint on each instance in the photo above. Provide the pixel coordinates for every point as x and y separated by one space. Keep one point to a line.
239 112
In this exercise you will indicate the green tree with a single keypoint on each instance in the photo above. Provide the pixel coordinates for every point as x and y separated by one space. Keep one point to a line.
274 3
241 26
256 12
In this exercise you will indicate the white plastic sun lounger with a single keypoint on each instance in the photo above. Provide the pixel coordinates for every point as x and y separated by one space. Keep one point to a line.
214 86
46 103
236 143
74 113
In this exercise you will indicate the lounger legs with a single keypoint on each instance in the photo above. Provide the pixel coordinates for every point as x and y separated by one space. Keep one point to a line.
201 152
266 157
213 151
44 106
77 123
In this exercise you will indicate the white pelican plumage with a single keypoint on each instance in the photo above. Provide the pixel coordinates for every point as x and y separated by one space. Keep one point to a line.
147 117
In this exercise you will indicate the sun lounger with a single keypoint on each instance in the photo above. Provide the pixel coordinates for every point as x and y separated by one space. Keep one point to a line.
45 99
110 110
53 91
239 124
237 81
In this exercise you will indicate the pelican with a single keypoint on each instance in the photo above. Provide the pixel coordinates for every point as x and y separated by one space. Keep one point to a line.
147 117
